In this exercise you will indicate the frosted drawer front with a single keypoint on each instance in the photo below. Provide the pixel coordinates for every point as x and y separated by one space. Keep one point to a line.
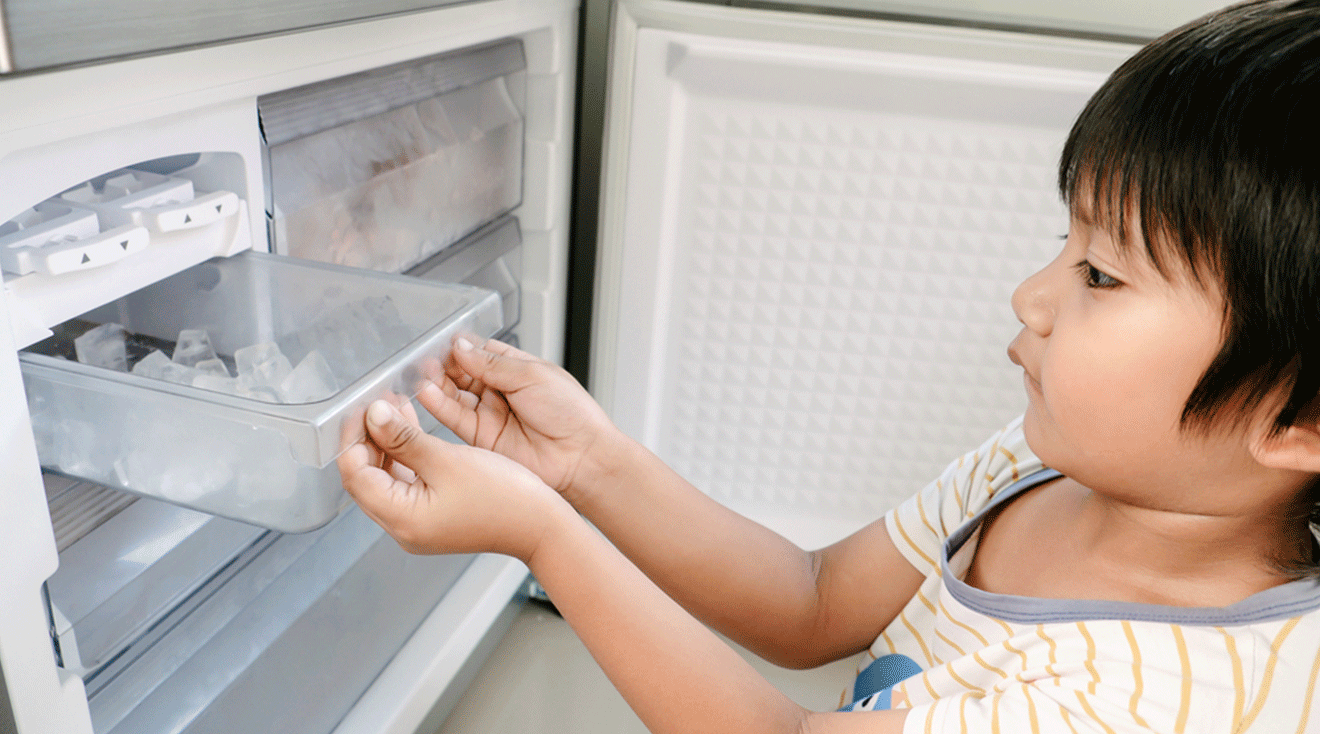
408 167
113 584
488 258
816 261
243 456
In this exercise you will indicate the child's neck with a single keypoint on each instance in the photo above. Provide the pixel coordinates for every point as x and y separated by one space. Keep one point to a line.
1104 548
1187 559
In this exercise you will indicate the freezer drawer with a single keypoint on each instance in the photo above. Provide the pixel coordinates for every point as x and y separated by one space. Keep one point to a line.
283 638
384 168
490 258
250 430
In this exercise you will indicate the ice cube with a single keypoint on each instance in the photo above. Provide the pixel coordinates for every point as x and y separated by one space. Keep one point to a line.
193 346
264 393
153 365
184 472
103 346
212 367
175 372
263 364
310 381
265 478
215 383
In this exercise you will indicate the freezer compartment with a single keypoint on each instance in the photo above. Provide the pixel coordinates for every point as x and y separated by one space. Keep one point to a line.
284 637
262 368
385 168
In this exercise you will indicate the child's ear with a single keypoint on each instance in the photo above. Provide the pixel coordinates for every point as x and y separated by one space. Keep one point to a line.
1296 448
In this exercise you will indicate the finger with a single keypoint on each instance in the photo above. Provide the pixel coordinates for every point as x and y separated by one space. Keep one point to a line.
506 371
454 408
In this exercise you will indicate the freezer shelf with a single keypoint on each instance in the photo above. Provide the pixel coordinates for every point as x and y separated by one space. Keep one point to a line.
244 456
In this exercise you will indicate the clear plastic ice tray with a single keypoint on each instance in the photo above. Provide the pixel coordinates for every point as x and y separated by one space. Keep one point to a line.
266 463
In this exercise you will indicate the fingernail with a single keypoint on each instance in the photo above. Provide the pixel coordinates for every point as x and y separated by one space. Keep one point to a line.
379 413
462 344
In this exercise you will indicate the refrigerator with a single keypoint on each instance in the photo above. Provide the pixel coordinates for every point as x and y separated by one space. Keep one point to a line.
776 240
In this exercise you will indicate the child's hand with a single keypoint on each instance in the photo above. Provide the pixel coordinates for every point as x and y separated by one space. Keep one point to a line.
436 497
500 398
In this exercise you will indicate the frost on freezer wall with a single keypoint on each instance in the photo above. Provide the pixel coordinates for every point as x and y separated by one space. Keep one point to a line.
388 191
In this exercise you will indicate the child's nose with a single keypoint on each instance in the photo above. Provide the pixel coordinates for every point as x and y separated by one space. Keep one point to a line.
1033 302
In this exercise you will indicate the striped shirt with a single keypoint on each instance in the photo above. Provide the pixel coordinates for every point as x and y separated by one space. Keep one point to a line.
994 663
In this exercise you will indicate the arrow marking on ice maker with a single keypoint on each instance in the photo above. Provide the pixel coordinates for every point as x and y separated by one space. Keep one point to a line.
85 259
124 244
187 218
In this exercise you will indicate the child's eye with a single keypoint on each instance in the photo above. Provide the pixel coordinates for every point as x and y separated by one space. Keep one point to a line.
1094 277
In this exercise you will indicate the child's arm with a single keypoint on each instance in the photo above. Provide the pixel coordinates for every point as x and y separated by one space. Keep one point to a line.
676 674
795 608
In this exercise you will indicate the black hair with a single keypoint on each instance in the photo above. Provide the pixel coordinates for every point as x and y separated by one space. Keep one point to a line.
1209 139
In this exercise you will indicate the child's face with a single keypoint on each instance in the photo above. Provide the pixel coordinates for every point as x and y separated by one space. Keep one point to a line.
1110 350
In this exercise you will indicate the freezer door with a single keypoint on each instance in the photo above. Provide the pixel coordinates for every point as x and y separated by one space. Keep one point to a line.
1130 19
811 227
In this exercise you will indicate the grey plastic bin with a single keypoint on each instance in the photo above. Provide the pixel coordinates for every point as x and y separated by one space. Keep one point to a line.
266 463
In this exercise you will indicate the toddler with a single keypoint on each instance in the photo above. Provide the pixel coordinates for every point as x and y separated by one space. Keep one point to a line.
1133 554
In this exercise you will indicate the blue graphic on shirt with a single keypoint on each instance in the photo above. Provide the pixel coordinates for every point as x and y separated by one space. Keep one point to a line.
873 687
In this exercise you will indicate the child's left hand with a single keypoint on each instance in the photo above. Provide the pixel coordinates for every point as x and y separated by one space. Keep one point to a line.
436 497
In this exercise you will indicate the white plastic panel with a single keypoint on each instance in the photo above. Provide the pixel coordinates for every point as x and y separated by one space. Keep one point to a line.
1134 18
805 300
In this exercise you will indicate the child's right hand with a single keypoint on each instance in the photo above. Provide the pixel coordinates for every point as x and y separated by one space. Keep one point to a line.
500 398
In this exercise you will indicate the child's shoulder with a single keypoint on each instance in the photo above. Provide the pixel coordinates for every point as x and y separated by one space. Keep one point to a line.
966 487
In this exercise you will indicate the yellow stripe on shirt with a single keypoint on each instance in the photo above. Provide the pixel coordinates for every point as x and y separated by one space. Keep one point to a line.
1136 674
903 531
1267 679
1012 459
1081 697
1185 699
977 657
979 637
944 638
1054 660
1031 710
1090 658
1310 692
1239 687
930 659
1063 712
921 510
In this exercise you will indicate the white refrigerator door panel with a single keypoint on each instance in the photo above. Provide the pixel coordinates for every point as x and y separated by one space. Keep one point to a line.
1129 18
811 230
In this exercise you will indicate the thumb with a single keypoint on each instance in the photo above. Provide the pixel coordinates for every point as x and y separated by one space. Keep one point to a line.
399 439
